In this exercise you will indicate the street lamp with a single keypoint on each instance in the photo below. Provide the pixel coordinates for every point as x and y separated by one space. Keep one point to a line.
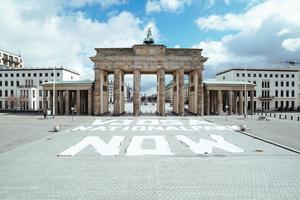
53 99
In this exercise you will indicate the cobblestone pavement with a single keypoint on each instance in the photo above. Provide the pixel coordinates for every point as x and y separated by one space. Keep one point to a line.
248 169
285 132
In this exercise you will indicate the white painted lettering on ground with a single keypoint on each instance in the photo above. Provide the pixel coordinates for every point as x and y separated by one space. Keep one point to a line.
161 146
112 148
206 146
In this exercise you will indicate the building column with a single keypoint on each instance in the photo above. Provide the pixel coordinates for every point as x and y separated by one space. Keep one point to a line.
67 107
51 101
241 102
230 95
44 101
136 92
234 103
161 92
56 102
78 102
97 87
220 102
207 102
181 92
199 93
90 101
118 92
61 102
252 101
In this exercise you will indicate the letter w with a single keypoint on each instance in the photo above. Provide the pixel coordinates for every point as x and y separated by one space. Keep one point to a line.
206 146
112 148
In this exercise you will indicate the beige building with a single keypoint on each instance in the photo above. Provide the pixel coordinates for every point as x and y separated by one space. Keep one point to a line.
10 60
203 98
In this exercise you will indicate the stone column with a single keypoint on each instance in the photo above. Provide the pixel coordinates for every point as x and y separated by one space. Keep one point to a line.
78 102
175 92
44 101
56 102
251 101
97 92
241 102
230 94
136 92
51 100
220 102
67 107
180 92
161 92
118 91
61 102
234 102
199 93
90 101
207 102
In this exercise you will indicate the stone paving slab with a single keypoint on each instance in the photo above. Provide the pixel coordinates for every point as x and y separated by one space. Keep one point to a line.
34 171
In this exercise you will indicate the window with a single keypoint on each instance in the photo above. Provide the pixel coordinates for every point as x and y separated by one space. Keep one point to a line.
40 93
281 93
34 74
6 93
259 75
271 75
11 75
18 83
254 75
40 74
29 74
276 75
254 93
46 74
40 105
23 74
6 75
293 75
276 93
237 75
287 76
0 75
33 93
276 83
249 75
40 82
293 83
243 74
58 74
6 83
276 104
52 74
287 93
282 84
281 75
11 83
0 83
18 74
293 93
11 93
287 84
0 93
223 77
254 82
266 75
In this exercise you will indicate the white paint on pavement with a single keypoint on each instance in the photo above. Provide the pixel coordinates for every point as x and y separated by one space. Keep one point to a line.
112 148
205 146
161 146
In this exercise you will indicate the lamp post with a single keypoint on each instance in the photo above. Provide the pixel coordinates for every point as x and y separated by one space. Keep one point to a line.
53 109
226 109
72 109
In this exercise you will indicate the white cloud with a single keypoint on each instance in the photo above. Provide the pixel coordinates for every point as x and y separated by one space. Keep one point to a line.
291 44
46 37
264 35
177 46
154 6
102 3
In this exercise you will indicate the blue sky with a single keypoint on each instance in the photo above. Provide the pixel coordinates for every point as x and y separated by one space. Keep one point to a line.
232 33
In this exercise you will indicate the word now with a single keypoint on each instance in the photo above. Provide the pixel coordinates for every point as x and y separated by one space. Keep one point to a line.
161 145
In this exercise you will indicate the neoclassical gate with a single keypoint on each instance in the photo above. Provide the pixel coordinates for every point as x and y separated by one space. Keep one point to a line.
148 59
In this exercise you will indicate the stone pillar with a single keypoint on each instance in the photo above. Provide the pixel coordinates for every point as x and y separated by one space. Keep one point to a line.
67 107
181 93
199 93
161 92
207 102
97 87
51 100
56 102
251 101
44 101
136 92
234 102
175 92
230 101
118 92
220 102
90 101
241 102
61 102
78 102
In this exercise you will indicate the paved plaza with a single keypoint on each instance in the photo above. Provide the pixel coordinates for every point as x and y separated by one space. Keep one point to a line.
144 158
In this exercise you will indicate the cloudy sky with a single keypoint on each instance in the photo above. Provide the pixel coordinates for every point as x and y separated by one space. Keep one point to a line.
231 32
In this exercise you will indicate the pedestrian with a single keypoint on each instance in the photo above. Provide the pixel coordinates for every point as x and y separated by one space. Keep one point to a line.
45 115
